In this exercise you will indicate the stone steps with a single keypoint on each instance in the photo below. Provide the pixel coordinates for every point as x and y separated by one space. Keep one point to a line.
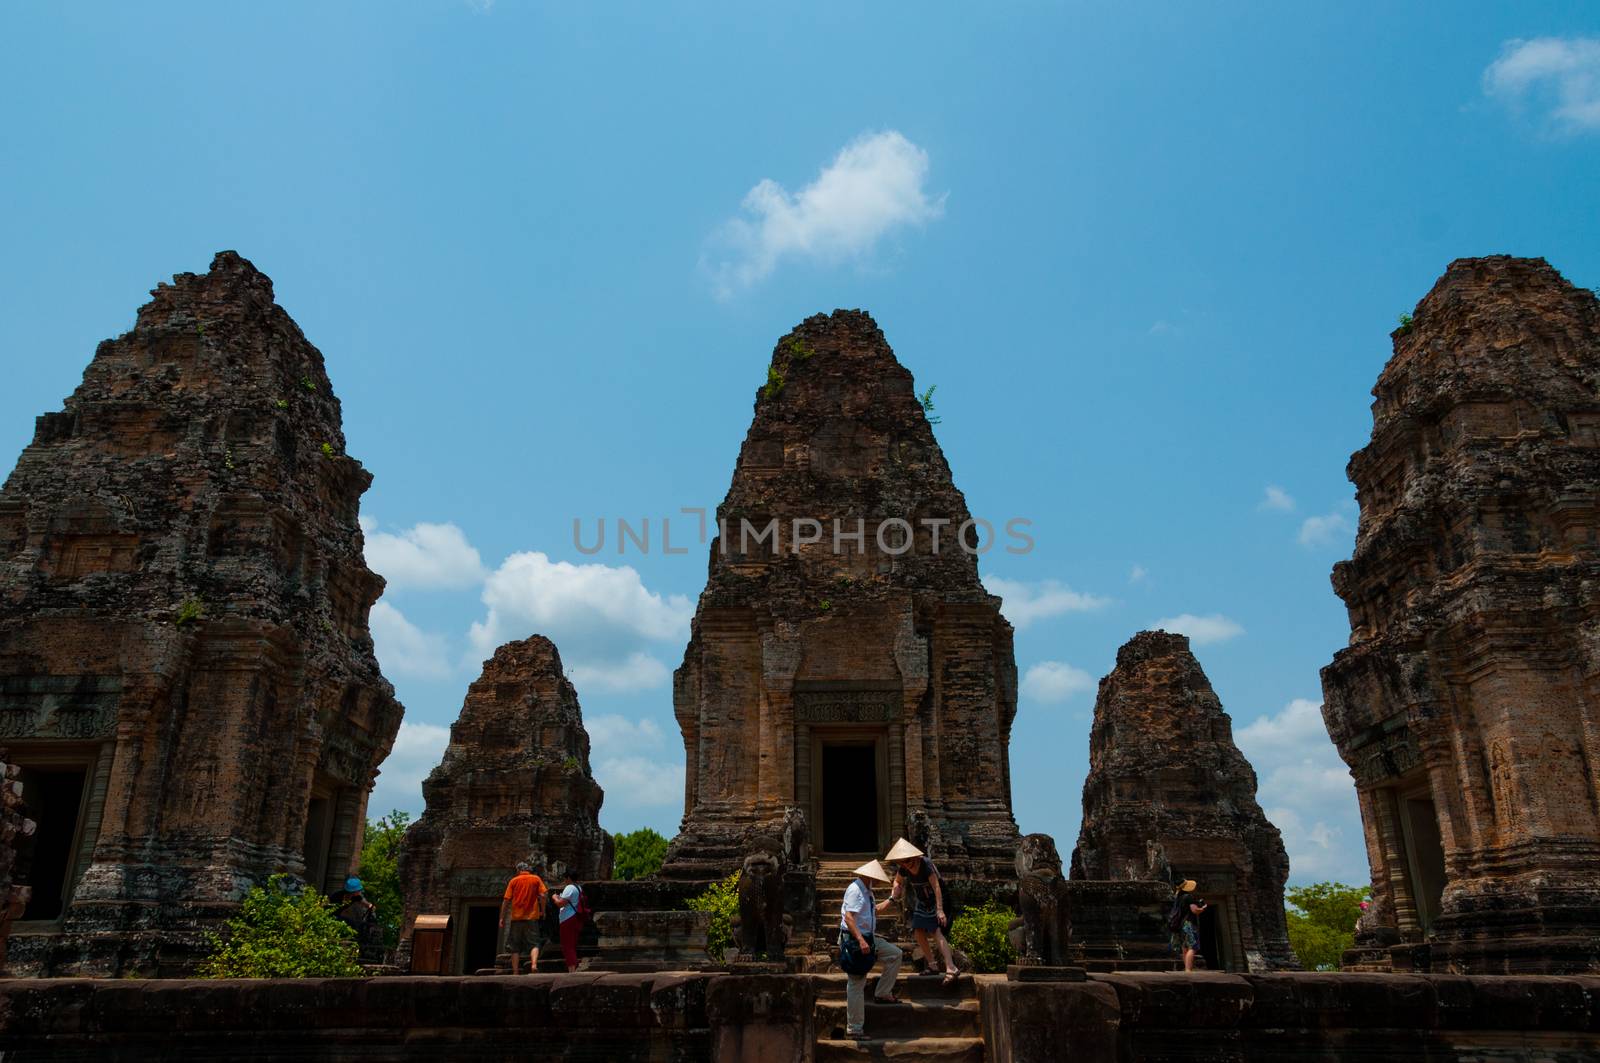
938 1023
917 1050
958 1018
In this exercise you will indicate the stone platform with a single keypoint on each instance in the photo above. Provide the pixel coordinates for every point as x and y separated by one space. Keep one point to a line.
795 1018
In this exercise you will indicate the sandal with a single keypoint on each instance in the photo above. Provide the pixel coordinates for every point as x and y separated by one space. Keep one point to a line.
950 977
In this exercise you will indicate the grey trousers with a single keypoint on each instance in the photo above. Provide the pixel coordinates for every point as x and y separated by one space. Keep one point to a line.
855 986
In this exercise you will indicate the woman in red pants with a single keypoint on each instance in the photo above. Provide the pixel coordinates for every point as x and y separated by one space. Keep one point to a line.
569 900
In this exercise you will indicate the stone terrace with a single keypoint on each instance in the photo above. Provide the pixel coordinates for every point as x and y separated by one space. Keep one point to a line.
681 1017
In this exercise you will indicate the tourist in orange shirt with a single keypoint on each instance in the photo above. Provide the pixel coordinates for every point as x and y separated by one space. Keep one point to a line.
524 903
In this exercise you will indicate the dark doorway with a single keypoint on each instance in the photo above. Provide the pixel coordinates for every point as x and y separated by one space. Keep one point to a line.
1210 943
850 798
316 847
53 799
1425 854
482 945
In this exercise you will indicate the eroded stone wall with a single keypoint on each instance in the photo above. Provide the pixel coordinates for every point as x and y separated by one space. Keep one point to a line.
1169 797
186 675
1466 702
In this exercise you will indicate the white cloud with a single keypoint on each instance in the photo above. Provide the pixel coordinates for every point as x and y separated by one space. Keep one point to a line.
611 735
640 780
639 672
1163 328
1560 73
875 184
1276 498
418 748
1202 630
1307 793
602 618
403 648
1026 603
1330 529
1049 682
1137 574
425 556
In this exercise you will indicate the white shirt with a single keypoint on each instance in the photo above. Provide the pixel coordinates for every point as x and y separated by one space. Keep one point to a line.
569 910
858 899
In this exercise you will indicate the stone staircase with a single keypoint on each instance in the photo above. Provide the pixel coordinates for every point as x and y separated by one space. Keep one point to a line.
938 1024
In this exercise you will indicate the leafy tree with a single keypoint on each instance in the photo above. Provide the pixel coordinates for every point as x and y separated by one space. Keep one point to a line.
637 854
283 930
1322 921
380 873
981 933
721 899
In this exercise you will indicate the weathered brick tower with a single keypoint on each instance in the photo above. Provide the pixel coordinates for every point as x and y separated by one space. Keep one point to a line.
845 660
514 784
1468 701
1169 797
186 677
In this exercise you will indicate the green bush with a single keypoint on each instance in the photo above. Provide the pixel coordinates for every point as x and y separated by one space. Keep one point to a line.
1406 322
1322 920
981 933
774 383
722 901
380 872
283 932
637 854
190 611
926 399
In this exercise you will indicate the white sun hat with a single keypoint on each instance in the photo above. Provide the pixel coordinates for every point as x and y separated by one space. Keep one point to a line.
873 870
903 850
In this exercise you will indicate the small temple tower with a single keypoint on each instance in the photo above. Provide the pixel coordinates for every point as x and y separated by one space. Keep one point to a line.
514 785
1169 797
187 681
845 664
1467 704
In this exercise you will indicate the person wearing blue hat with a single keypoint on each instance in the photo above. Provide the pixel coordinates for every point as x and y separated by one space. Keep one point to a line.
361 915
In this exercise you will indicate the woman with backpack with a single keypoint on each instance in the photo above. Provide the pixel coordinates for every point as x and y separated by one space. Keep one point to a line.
1183 922
574 908
916 876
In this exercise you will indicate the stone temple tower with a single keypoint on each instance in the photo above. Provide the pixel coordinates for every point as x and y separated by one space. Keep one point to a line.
1467 704
1169 797
187 680
845 660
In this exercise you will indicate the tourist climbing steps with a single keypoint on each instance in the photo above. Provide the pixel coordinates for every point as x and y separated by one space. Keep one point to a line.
937 1024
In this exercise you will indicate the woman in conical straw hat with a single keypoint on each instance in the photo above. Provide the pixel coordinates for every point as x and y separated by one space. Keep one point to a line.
1184 921
858 919
916 875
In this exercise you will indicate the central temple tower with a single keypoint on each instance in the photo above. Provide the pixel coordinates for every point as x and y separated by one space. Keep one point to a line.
844 659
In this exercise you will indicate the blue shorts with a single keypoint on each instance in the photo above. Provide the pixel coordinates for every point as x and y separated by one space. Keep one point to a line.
924 921
1188 937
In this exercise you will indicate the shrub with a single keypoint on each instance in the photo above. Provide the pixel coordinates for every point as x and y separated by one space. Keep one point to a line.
799 349
307 383
1406 321
380 871
637 854
190 611
1322 920
721 899
572 764
283 932
327 450
981 933
774 383
282 404
926 399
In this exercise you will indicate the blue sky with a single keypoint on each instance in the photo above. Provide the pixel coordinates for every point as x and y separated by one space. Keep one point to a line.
1149 256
